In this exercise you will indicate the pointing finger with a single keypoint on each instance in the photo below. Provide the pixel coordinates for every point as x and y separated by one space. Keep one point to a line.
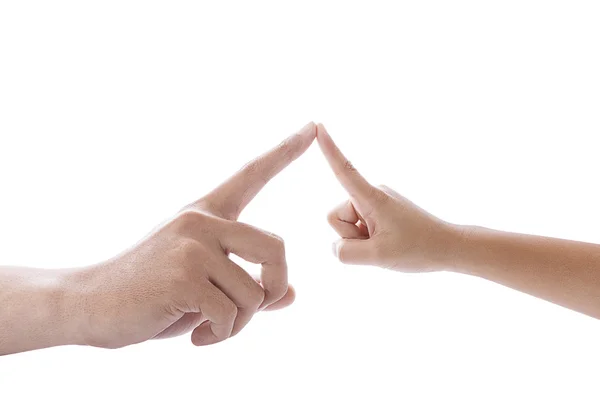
349 177
234 194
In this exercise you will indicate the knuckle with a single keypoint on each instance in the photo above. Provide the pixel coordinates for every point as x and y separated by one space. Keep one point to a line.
378 195
215 205
257 296
277 245
332 217
188 249
188 219
255 171
286 149
190 215
186 254
252 167
204 204
229 311
226 311
349 167
390 193
278 240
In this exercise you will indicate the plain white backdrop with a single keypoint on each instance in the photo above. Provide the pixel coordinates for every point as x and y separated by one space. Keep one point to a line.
115 114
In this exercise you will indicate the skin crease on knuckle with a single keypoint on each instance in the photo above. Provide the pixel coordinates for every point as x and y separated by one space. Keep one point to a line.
186 292
270 246
379 196
188 220
188 250
332 217
253 171
287 149
256 295
197 226
276 255
273 249
206 204
224 310
277 247
349 167
229 311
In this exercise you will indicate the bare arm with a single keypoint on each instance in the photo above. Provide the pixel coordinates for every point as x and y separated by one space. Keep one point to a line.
378 226
561 271
35 310
179 279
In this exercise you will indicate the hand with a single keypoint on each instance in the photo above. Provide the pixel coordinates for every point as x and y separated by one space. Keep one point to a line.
180 277
380 227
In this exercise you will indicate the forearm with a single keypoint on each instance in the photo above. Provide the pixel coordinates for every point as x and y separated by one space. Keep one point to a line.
37 309
561 271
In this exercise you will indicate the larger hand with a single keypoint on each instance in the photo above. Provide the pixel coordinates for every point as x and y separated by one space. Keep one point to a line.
180 277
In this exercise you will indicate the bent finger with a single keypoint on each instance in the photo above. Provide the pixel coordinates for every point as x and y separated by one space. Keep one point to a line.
344 218
220 312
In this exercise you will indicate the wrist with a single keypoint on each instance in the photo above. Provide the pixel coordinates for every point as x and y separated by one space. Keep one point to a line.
83 305
38 309
93 301
457 239
69 300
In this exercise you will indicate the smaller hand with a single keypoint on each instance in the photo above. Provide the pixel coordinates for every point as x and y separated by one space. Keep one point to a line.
380 227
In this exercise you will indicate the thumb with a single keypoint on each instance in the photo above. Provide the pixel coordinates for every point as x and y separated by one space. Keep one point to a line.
354 251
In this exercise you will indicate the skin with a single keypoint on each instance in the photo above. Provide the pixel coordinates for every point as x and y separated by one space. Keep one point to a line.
378 226
178 279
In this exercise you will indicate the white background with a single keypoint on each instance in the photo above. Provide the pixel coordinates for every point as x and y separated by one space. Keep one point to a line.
114 114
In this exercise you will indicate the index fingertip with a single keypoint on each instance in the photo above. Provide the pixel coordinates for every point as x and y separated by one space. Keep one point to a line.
345 172
309 130
332 153
324 139
301 140
321 131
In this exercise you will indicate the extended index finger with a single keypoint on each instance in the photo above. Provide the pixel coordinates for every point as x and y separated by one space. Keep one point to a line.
354 183
235 193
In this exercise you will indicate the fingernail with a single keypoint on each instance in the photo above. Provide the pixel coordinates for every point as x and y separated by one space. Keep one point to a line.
334 249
